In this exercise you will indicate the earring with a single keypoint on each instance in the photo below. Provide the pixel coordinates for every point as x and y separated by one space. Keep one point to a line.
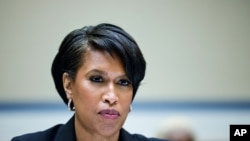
69 105
130 108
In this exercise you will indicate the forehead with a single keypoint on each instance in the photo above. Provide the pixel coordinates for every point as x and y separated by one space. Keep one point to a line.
102 60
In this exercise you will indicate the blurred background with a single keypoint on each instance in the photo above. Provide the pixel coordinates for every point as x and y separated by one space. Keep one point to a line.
197 53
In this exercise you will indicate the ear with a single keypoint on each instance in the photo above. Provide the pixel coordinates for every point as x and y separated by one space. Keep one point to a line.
67 85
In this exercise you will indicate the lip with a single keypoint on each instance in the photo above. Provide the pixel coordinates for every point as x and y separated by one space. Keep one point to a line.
109 114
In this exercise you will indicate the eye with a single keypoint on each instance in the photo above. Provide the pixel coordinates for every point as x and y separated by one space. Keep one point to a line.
124 82
96 79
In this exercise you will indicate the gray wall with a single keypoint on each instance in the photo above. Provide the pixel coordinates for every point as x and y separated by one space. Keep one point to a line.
195 50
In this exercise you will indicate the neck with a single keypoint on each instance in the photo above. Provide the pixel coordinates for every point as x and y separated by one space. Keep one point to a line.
83 134
84 137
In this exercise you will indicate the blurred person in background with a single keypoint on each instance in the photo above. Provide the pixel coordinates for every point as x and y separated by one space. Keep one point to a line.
177 129
97 72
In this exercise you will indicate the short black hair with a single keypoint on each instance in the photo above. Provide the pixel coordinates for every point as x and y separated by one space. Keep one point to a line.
105 37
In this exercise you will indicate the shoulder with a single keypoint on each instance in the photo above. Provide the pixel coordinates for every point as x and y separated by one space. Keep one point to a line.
60 132
46 135
126 136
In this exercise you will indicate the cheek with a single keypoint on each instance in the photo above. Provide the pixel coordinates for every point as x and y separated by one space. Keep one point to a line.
83 92
126 98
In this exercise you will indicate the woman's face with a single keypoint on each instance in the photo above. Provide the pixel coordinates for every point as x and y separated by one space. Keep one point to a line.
101 93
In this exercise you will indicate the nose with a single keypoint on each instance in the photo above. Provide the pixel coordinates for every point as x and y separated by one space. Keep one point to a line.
110 95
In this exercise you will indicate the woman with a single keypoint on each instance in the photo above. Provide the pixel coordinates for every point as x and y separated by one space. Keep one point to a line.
97 72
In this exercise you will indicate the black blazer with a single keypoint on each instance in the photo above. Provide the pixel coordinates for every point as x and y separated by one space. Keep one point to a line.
66 132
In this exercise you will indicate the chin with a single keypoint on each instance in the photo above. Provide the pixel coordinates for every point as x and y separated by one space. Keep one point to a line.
110 133
108 130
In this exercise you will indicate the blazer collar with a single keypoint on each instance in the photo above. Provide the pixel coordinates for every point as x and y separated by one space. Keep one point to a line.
67 131
125 136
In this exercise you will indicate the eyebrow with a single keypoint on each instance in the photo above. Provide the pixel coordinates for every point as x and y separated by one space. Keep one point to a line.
97 71
103 73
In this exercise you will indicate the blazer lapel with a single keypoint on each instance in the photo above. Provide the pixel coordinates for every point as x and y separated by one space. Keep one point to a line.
67 131
125 136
